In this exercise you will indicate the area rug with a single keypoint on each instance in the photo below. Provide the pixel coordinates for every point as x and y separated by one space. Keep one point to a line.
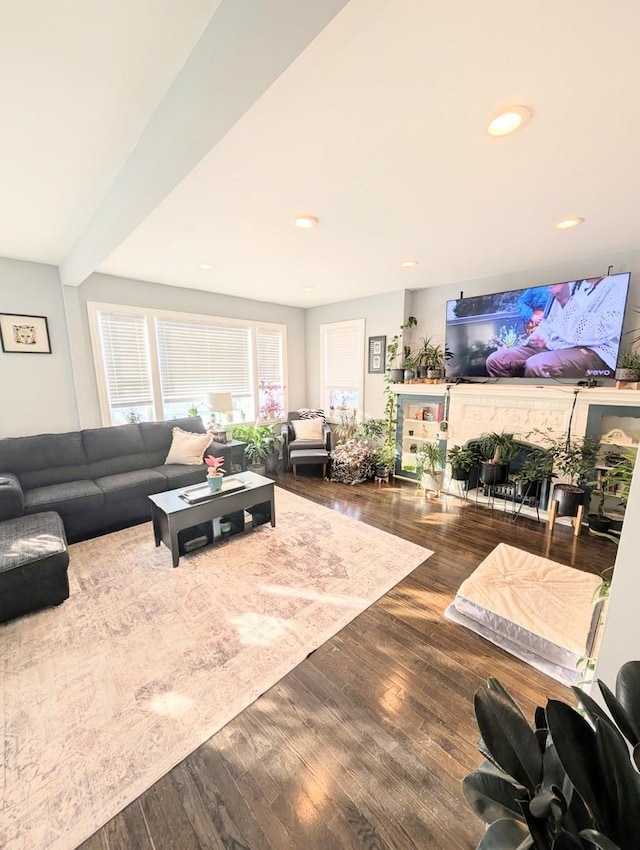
539 610
143 663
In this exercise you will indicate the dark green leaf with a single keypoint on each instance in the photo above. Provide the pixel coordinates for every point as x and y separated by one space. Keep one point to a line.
636 756
491 797
599 839
621 802
505 835
508 737
593 710
541 832
566 841
619 714
548 804
575 743
628 694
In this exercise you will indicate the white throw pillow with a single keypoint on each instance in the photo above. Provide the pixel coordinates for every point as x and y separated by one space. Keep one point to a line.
187 447
308 429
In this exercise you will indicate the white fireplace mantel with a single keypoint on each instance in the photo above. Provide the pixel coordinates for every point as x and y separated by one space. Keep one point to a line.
477 408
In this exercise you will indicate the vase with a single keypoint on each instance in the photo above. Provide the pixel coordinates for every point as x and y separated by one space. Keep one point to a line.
214 482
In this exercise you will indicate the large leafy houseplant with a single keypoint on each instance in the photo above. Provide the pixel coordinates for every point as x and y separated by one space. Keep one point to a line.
567 783
261 441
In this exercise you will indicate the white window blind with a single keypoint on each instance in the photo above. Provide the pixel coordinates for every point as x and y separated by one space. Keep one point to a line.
270 359
125 352
343 355
197 359
342 347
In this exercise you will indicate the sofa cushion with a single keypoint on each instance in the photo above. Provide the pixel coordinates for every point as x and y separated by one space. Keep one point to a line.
131 485
156 436
72 495
118 448
44 459
178 475
187 447
308 429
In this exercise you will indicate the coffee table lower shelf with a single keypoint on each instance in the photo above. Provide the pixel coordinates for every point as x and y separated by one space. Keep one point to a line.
176 522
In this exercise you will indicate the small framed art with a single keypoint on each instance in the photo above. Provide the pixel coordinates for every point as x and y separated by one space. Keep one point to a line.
24 334
377 349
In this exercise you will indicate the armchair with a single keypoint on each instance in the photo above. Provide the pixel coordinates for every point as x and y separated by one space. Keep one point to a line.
293 443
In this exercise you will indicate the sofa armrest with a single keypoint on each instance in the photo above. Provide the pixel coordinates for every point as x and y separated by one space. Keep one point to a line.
11 497
328 437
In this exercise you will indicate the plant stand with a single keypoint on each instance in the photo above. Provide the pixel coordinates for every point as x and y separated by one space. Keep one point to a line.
627 385
576 520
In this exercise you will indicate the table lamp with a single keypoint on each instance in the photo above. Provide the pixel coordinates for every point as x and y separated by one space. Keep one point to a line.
221 405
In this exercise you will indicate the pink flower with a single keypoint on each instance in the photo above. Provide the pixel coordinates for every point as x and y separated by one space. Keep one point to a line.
214 464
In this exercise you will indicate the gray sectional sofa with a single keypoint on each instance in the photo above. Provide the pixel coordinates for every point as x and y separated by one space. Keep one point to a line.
97 480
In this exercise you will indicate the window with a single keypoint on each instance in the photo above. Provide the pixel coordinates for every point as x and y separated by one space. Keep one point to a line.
342 364
160 365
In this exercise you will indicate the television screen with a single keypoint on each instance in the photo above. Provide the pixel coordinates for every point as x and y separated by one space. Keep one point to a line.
560 330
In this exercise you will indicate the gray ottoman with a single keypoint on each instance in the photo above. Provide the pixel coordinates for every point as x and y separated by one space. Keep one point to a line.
33 564
309 456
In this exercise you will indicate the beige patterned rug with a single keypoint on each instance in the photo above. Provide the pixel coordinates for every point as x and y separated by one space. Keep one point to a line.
105 694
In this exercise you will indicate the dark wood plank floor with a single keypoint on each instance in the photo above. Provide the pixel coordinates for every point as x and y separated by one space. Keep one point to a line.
364 744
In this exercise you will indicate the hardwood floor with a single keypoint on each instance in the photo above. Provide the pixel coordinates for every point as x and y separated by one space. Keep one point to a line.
365 743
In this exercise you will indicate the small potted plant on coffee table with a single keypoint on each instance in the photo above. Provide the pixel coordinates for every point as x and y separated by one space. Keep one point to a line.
214 472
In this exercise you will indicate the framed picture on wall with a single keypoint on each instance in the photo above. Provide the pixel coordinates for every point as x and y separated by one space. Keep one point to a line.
24 334
377 349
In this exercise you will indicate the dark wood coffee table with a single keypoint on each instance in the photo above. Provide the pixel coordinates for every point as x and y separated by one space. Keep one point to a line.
170 513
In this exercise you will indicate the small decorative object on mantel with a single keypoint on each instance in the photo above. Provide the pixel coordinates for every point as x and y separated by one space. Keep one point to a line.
24 334
627 372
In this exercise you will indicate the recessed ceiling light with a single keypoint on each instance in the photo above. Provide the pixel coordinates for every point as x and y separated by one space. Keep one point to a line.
309 289
408 264
305 221
206 266
566 223
509 120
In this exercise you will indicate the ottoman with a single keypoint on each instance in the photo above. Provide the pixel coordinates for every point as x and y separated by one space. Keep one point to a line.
309 456
33 564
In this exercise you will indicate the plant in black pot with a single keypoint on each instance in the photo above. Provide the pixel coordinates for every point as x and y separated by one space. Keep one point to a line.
536 470
462 460
262 444
573 459
497 450
599 522
385 460
565 783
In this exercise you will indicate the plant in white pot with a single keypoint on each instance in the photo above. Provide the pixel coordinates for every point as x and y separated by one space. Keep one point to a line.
430 462
215 472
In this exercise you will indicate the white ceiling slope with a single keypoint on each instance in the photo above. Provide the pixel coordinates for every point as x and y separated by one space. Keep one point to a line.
370 115
78 82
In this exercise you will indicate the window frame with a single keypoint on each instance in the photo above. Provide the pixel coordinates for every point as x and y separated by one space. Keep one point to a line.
150 315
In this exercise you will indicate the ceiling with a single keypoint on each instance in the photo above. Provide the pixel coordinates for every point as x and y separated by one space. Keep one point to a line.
373 118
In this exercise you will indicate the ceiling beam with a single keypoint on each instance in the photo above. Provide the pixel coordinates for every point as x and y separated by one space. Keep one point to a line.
244 49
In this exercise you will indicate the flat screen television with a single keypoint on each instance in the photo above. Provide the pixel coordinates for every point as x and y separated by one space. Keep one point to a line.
560 330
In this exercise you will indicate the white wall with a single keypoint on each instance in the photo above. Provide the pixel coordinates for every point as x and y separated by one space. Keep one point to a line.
36 390
138 293
383 315
429 304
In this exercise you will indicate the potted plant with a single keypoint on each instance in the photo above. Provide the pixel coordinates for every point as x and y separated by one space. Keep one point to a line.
396 352
215 472
421 356
430 463
573 459
599 522
497 450
462 460
193 410
537 468
434 359
385 460
261 441
628 366
408 365
568 781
